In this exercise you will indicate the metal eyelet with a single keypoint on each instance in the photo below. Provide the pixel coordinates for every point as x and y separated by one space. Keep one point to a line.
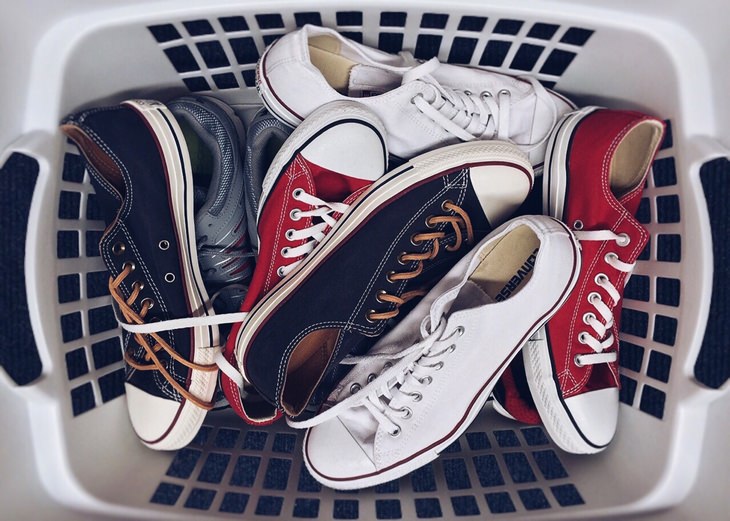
285 251
371 377
147 299
389 276
297 193
396 432
451 348
600 278
460 330
400 259
355 388
582 337
438 366
610 255
118 248
576 361
505 91
486 94
415 241
280 271
294 215
430 224
129 264
379 294
592 296
416 396
368 316
578 225
163 245
289 234
626 240
443 205
138 285
426 380
169 277
587 317
406 411
387 365
467 92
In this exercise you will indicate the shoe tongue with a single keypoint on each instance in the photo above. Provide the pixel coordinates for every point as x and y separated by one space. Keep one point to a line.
424 69
368 80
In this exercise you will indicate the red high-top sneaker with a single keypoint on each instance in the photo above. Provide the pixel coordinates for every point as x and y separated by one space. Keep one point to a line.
327 162
595 168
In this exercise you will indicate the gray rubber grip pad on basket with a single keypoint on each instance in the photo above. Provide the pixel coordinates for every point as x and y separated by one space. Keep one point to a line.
712 367
18 354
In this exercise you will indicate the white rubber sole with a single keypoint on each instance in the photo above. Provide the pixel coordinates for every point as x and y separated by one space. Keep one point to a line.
543 383
390 185
171 142
397 471
555 180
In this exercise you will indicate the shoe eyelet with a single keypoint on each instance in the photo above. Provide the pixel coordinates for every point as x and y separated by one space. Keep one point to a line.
593 296
368 316
460 330
626 240
169 277
355 388
444 203
138 285
163 245
576 361
400 259
415 241
118 248
129 264
407 412
426 380
289 234
371 377
582 337
588 317
280 272
600 279
387 365
294 215
505 91
430 224
285 251
416 396
468 92
379 294
609 256
296 194
486 94
578 224
396 432
147 300
389 277
451 348
438 366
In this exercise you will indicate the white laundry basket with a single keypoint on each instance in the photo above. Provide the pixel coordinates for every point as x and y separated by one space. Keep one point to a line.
68 449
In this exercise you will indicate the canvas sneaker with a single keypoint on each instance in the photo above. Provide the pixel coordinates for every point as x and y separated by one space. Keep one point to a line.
423 105
266 135
326 163
393 242
214 137
595 171
424 383
140 167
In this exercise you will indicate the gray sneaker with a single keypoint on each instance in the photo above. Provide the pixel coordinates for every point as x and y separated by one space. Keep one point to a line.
215 136
266 134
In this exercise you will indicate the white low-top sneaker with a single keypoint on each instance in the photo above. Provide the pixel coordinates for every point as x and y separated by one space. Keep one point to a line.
424 105
424 383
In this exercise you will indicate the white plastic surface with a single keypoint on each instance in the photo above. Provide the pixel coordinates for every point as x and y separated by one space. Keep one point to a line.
666 58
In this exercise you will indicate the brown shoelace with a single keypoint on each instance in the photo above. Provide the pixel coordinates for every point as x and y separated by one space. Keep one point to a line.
458 221
159 343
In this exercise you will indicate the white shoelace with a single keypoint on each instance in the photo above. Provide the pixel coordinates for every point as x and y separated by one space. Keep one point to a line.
470 116
313 234
590 319
380 390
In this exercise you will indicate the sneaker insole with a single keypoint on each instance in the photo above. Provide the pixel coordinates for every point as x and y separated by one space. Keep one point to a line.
507 266
633 155
324 54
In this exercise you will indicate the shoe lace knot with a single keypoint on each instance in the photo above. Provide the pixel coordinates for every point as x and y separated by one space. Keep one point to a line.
469 115
600 335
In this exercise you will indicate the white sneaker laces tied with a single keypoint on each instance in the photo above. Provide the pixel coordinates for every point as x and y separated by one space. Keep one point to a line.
590 319
313 234
381 390
470 116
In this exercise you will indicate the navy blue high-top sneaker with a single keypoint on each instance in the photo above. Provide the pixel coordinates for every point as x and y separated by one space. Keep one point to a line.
140 167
